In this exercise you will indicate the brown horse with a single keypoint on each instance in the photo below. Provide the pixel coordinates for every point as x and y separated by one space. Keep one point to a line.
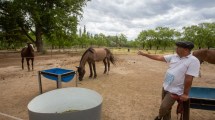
205 55
28 53
92 55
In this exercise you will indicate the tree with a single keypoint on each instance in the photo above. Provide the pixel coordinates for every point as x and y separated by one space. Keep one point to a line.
208 34
10 31
142 37
133 44
83 38
100 39
151 35
122 40
111 41
44 17
201 35
166 36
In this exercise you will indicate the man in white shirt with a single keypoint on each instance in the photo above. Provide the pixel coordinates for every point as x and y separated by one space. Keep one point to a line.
183 66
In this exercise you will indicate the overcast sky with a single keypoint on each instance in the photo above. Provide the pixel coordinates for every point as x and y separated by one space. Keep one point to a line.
130 17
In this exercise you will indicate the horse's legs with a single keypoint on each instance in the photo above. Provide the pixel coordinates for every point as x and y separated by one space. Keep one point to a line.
91 71
94 68
27 59
200 75
32 63
108 61
22 63
105 64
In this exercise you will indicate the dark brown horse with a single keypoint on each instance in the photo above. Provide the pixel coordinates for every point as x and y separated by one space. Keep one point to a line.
92 55
205 55
28 53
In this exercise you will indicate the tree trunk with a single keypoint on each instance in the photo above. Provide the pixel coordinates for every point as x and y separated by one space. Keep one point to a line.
143 45
39 41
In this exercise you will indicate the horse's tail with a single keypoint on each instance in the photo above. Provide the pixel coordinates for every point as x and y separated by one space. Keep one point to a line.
112 58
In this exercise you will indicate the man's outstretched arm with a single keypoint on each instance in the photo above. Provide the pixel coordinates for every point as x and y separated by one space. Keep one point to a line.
154 57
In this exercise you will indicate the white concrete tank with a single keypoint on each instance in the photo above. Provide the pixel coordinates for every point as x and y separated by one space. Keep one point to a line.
71 103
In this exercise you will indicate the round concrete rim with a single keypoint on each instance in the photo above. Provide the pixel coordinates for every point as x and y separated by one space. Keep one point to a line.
65 99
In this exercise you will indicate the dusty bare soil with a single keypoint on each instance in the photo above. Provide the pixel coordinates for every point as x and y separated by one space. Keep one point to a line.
131 91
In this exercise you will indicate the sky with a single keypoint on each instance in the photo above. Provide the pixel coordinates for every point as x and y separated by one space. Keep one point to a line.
130 17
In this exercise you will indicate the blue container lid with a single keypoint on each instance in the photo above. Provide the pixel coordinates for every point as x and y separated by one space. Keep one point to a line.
66 75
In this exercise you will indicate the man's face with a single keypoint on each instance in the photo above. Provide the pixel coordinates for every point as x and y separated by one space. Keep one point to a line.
180 51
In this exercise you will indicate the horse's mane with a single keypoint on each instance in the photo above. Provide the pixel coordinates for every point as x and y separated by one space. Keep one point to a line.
89 49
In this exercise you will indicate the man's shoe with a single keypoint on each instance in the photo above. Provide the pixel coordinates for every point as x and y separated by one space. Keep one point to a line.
157 118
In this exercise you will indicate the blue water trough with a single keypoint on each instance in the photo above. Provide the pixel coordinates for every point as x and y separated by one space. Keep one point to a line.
56 74
202 98
199 98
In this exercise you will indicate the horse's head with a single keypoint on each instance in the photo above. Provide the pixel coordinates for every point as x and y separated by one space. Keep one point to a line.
81 72
31 46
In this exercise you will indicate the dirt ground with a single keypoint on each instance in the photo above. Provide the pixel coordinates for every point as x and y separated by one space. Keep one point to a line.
131 91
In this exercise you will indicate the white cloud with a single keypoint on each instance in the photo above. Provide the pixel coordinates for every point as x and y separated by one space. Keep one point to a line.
113 17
